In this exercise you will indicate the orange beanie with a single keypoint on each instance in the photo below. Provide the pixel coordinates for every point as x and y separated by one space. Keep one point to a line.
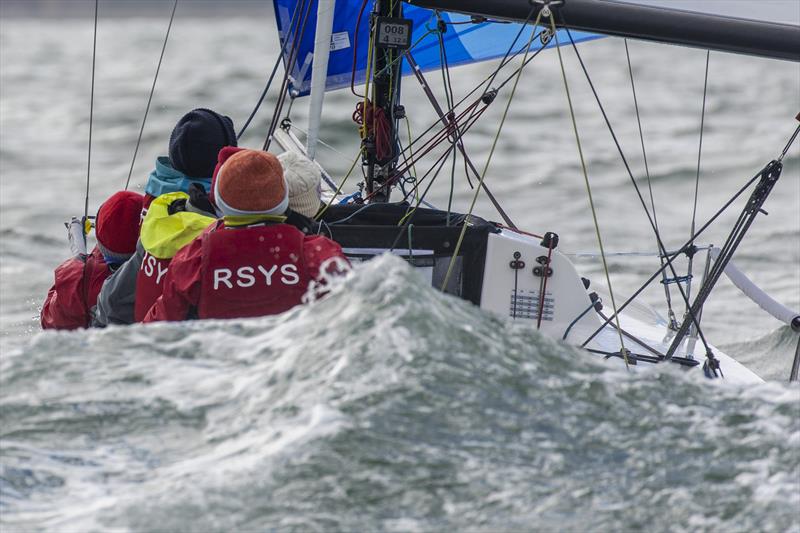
251 182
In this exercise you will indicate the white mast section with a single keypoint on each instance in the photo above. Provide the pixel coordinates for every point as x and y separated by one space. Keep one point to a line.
319 71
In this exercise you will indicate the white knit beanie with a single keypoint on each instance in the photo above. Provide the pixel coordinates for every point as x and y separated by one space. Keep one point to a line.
303 178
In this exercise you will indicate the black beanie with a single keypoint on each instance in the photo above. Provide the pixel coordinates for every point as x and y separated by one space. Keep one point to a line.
197 139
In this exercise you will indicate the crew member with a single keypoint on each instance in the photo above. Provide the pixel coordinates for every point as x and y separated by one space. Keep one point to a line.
304 179
172 221
71 300
193 147
251 263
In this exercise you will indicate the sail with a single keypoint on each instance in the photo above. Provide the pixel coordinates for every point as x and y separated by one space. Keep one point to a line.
465 42
766 28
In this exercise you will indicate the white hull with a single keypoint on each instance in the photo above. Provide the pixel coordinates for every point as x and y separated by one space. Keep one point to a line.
566 299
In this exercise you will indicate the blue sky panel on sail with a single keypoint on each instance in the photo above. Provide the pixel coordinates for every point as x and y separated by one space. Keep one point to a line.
466 42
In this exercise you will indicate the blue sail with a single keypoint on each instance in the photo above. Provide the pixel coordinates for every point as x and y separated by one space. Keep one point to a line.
465 42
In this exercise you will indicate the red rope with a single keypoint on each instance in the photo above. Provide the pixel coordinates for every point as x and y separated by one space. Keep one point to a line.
377 125
427 147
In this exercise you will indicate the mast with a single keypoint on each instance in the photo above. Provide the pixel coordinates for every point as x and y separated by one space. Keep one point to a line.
319 72
643 20
389 34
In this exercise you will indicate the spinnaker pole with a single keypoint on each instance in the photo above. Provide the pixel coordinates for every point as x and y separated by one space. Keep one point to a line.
657 21
319 72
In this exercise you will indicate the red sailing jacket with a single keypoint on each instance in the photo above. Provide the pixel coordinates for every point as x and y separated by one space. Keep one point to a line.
242 272
148 284
77 283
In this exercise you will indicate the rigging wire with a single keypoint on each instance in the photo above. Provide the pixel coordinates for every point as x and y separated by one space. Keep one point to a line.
487 98
463 99
791 140
292 22
522 28
661 246
355 51
323 143
697 177
469 167
448 94
673 323
339 188
150 98
285 84
464 224
671 257
91 118
413 166
438 165
589 191
441 135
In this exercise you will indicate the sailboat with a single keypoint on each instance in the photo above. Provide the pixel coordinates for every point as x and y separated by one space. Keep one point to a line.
369 46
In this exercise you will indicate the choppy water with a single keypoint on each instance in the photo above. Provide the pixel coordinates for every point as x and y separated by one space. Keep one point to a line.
389 406
357 413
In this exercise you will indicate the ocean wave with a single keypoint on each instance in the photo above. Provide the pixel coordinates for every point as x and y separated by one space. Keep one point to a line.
385 406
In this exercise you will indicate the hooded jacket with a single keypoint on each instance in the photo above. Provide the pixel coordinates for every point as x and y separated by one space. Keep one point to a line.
166 179
71 300
170 224
250 270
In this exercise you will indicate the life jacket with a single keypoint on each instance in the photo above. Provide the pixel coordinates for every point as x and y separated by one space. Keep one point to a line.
95 274
251 271
162 235
77 283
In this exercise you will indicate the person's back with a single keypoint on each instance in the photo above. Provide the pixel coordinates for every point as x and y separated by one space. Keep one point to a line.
194 144
251 263
71 300
172 221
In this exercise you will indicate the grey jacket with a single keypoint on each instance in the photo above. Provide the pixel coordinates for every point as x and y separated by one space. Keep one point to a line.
115 303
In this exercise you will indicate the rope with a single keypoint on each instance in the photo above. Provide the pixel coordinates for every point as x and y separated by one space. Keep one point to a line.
572 324
413 166
488 159
522 27
487 98
450 100
428 147
791 140
91 118
589 191
635 185
373 118
292 22
440 162
338 189
671 257
150 98
285 84
355 50
505 61
697 177
673 324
